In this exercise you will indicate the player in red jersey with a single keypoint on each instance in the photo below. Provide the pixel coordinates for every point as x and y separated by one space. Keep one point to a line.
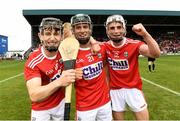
122 55
44 75
92 93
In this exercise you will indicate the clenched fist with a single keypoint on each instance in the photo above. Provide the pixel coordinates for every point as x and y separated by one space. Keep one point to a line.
139 30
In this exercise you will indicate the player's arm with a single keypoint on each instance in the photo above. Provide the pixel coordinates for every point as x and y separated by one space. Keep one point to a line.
37 92
151 49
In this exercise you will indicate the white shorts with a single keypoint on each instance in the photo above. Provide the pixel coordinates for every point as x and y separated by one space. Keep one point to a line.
103 113
132 97
55 114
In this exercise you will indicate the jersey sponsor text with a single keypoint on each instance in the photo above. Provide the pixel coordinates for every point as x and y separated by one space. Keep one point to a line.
118 64
93 70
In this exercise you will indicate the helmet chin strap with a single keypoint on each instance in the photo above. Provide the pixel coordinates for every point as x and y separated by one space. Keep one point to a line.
51 48
117 40
83 41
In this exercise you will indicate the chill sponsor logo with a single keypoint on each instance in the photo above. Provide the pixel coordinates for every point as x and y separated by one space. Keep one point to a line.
118 64
93 70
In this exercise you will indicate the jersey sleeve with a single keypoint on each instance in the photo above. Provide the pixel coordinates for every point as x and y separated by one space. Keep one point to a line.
30 73
140 43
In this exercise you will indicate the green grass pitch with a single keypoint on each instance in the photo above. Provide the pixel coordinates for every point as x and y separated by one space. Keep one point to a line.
162 104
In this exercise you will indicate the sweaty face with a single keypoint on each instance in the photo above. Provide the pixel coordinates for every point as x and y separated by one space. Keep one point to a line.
115 31
51 39
82 32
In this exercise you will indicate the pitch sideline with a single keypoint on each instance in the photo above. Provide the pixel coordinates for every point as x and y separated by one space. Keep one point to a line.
165 88
12 77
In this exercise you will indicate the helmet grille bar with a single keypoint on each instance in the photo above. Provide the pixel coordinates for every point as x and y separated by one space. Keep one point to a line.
80 18
50 23
115 18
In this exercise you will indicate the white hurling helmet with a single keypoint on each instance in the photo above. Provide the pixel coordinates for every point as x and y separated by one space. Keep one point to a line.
115 18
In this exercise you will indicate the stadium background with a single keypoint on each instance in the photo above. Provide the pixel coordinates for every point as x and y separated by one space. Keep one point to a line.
160 24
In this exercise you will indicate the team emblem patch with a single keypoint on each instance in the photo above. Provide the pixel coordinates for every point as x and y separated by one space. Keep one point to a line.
126 54
99 55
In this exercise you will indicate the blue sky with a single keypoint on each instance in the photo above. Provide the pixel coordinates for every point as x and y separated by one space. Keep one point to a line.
18 30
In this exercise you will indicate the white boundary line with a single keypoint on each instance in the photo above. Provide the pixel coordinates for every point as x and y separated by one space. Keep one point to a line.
1 81
167 89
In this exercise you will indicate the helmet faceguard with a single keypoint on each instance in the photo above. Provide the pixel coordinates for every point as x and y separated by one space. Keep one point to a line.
81 18
115 18
50 23
119 19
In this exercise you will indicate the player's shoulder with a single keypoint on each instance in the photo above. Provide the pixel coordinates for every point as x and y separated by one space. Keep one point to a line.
131 41
102 45
35 53
107 43
35 56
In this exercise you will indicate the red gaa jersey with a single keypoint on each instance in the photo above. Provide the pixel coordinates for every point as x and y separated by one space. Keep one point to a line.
123 64
48 69
91 91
